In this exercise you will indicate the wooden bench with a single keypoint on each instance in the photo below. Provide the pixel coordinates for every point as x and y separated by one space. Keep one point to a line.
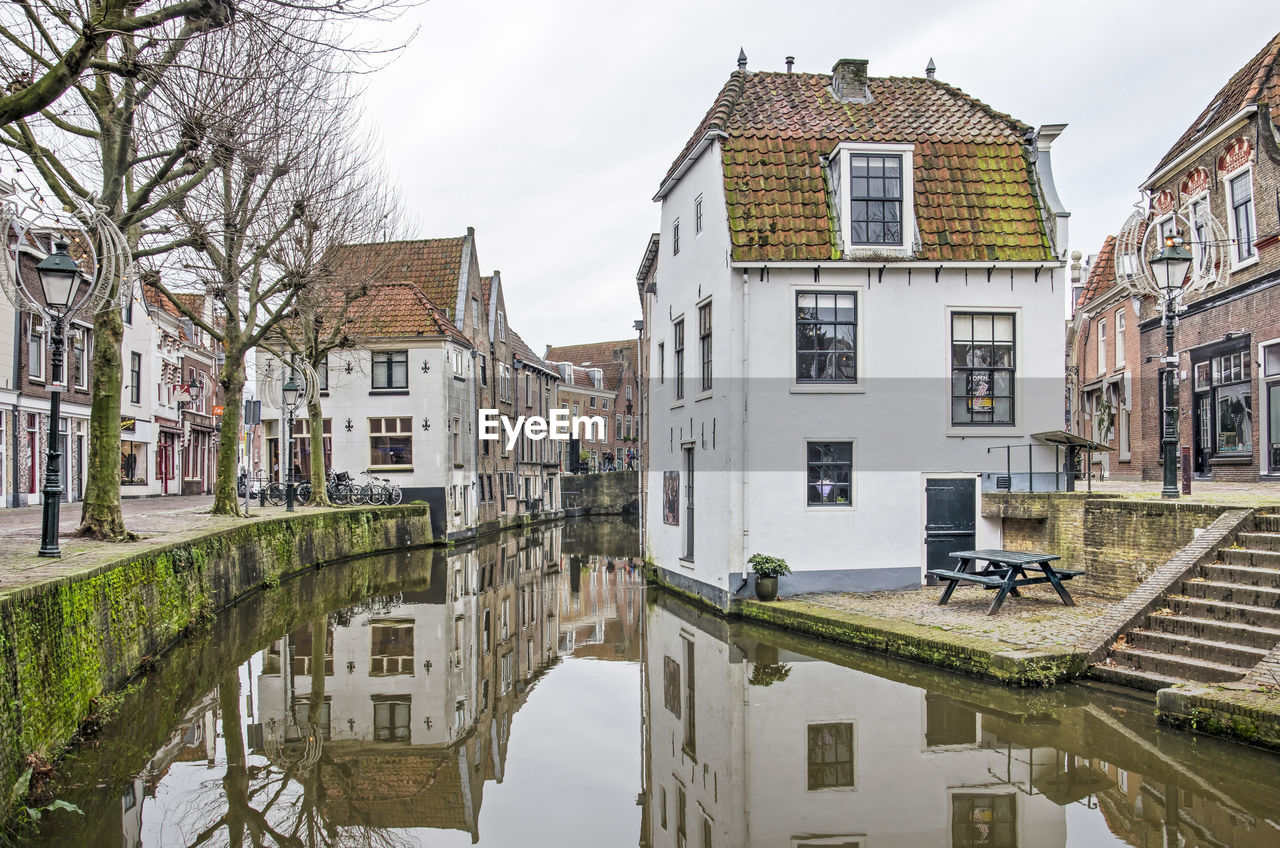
1004 571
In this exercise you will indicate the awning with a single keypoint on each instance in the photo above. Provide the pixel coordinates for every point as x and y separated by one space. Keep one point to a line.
1065 439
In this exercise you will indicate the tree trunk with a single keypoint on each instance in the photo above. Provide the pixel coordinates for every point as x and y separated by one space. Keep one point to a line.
235 780
226 500
101 517
315 416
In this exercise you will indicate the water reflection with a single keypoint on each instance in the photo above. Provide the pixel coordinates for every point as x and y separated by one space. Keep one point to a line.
447 698
755 739
369 721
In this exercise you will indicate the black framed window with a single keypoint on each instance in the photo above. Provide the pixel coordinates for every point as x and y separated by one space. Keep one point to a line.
875 195
391 369
989 821
830 755
830 473
704 343
135 377
675 238
678 347
826 337
982 368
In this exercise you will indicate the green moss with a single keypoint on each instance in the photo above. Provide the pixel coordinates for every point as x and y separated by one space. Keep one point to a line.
66 642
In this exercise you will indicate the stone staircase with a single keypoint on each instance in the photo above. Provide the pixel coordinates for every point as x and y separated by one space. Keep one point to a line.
1213 626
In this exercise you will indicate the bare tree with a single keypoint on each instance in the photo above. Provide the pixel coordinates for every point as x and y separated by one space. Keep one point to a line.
336 250
47 45
141 132
246 231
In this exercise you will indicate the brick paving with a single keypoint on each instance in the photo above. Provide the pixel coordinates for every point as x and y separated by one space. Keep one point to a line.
1038 619
1243 494
156 520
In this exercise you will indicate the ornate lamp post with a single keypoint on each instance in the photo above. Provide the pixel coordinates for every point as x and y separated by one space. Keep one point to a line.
1170 267
59 279
290 393
63 291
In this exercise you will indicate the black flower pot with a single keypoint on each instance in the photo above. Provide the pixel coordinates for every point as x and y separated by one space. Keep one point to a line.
766 588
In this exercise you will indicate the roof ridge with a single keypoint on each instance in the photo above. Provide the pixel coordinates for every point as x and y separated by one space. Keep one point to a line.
991 111
398 241
716 118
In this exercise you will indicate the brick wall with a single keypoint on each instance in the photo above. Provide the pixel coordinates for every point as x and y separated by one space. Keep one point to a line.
1117 542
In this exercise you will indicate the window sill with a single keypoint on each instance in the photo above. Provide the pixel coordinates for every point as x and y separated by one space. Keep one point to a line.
1246 263
704 396
827 389
1245 459
836 508
460 378
985 432
678 404
392 469
388 392
686 562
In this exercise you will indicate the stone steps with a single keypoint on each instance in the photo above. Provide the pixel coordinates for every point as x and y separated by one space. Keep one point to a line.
1132 678
1245 575
1224 611
1217 631
1227 653
1182 668
1250 557
1216 625
1234 593
1259 541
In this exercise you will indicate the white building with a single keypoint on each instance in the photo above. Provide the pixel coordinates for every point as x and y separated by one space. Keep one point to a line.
858 292
400 405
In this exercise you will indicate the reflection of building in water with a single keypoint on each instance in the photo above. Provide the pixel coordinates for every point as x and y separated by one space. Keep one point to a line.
412 694
748 745
601 606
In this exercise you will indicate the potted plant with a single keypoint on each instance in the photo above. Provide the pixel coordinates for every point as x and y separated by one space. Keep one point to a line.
767 570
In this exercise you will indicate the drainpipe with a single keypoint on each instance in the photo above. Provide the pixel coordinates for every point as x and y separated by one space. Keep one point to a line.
17 401
746 475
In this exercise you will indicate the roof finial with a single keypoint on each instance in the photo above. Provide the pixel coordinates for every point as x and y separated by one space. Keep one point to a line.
742 59
930 69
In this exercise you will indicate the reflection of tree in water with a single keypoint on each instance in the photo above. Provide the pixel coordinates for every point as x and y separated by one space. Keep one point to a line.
279 804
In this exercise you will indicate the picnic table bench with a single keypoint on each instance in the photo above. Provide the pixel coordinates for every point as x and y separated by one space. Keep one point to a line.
1004 571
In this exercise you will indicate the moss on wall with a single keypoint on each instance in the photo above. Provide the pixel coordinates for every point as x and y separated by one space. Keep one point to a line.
65 642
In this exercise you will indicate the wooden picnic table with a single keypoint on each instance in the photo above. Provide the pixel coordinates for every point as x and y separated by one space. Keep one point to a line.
1004 571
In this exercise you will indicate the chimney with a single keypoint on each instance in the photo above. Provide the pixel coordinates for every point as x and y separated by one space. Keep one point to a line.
849 81
791 60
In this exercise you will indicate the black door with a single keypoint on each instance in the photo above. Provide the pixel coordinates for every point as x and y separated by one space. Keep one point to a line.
949 507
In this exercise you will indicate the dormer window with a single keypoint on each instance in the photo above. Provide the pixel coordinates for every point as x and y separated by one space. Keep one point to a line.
873 186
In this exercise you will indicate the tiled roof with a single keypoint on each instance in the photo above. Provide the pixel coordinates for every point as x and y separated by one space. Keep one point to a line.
398 309
526 353
974 198
433 265
156 301
1256 82
1102 276
594 354
394 788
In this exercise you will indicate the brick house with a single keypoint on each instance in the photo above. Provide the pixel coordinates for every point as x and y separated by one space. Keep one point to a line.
1226 169
613 393
1105 358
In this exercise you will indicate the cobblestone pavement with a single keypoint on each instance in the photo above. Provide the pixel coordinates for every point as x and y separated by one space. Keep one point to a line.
155 519
1038 619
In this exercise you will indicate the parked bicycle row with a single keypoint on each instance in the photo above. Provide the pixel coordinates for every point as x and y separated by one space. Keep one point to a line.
341 489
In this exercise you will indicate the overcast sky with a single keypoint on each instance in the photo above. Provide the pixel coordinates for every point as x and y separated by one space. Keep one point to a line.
548 125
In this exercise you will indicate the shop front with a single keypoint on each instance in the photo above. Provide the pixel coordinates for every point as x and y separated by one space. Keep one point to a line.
1222 408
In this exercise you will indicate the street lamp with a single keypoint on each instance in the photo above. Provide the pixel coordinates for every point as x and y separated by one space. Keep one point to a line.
1170 267
289 393
59 279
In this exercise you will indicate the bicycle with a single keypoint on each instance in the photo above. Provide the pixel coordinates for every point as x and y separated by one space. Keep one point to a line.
373 491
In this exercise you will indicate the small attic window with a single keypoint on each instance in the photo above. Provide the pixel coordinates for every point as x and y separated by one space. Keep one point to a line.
874 190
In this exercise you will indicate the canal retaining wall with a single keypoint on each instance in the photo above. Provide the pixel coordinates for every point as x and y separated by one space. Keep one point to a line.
1118 542
67 641
607 493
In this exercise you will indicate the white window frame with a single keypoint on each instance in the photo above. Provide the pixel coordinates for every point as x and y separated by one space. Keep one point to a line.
1102 345
502 327
1237 264
859 291
35 364
840 165
1119 338
697 216
1196 250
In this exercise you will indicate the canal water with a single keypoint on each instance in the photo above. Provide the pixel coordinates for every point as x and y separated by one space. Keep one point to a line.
529 691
